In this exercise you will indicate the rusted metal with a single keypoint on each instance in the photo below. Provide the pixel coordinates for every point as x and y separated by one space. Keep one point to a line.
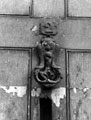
47 73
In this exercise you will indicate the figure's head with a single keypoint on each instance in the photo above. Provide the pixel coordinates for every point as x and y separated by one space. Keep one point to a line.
48 44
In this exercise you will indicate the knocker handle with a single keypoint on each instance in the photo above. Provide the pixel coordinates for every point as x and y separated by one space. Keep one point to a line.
47 74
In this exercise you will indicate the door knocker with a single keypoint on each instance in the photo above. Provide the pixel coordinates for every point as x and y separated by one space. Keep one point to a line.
47 73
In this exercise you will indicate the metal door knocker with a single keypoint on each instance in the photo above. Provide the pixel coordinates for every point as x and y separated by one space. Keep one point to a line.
47 73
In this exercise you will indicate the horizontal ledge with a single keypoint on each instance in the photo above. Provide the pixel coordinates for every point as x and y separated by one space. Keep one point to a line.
16 48
29 48
78 18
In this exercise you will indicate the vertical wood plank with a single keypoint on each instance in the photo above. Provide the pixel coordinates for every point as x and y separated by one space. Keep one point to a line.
80 83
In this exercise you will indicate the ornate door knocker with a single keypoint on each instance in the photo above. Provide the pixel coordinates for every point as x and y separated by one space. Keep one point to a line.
47 73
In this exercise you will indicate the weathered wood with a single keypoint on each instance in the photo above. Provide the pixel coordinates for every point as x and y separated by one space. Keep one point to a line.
79 8
57 95
17 32
80 83
80 70
13 84
23 32
43 8
15 7
12 107
13 67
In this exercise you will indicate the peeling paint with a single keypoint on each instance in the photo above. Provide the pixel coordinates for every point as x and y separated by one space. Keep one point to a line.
58 94
75 90
35 114
82 89
34 28
80 104
36 92
85 89
19 90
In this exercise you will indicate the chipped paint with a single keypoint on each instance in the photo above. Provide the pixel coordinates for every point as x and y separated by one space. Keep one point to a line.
35 114
19 90
58 94
85 89
35 28
75 90
82 89
36 92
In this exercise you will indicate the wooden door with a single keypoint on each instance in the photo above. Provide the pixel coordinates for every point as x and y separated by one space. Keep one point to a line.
79 82
14 81
75 102
48 87
49 104
21 97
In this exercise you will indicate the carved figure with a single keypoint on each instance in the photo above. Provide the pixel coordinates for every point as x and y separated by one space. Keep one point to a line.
47 73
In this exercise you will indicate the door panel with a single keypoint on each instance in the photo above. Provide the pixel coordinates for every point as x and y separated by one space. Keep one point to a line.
59 112
13 67
80 85
13 84
49 104
17 31
15 7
